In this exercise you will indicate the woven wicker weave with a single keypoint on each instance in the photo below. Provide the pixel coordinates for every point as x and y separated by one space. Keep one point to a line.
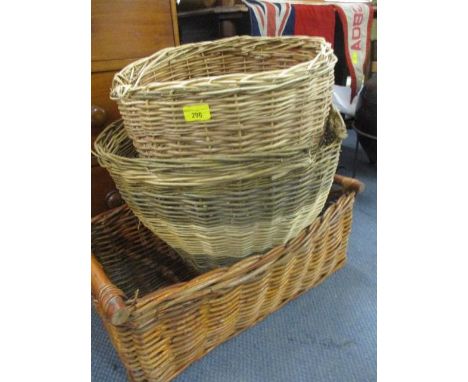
264 95
216 211
167 327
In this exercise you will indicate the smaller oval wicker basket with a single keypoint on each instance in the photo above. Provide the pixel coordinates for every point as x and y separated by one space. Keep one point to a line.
215 211
248 95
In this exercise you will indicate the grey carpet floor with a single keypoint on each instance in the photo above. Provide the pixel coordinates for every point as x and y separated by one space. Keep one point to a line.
327 335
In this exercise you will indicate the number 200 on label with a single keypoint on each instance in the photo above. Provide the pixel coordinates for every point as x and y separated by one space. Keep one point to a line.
198 112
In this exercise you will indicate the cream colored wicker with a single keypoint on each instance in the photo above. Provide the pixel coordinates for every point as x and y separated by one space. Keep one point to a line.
215 211
263 95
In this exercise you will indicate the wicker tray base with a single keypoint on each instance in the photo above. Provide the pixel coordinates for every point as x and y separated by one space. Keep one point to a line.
176 318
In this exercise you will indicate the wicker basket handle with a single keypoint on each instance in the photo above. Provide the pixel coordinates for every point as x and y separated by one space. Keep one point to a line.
108 296
349 184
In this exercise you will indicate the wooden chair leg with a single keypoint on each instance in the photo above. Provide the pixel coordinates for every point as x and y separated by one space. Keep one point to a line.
356 151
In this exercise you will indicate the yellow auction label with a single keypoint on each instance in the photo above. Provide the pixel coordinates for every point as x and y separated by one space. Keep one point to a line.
198 112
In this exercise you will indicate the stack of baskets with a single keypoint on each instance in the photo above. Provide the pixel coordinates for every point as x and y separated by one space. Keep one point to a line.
226 148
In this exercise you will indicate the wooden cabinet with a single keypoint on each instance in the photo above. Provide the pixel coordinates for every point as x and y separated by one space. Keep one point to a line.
103 192
122 31
129 29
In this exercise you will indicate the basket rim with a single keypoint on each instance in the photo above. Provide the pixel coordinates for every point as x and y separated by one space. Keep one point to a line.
334 117
123 89
234 167
119 126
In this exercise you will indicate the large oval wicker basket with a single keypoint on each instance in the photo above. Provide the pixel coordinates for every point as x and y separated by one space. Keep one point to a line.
230 96
215 211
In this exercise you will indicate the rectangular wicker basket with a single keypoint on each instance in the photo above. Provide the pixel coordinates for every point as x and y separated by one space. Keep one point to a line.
161 316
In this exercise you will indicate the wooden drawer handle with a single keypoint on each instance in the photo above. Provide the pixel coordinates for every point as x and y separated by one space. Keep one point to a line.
98 117
113 199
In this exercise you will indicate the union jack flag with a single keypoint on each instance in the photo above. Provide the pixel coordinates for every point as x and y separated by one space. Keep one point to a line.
271 19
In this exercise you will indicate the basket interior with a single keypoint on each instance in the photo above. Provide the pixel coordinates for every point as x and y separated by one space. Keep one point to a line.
218 59
132 257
